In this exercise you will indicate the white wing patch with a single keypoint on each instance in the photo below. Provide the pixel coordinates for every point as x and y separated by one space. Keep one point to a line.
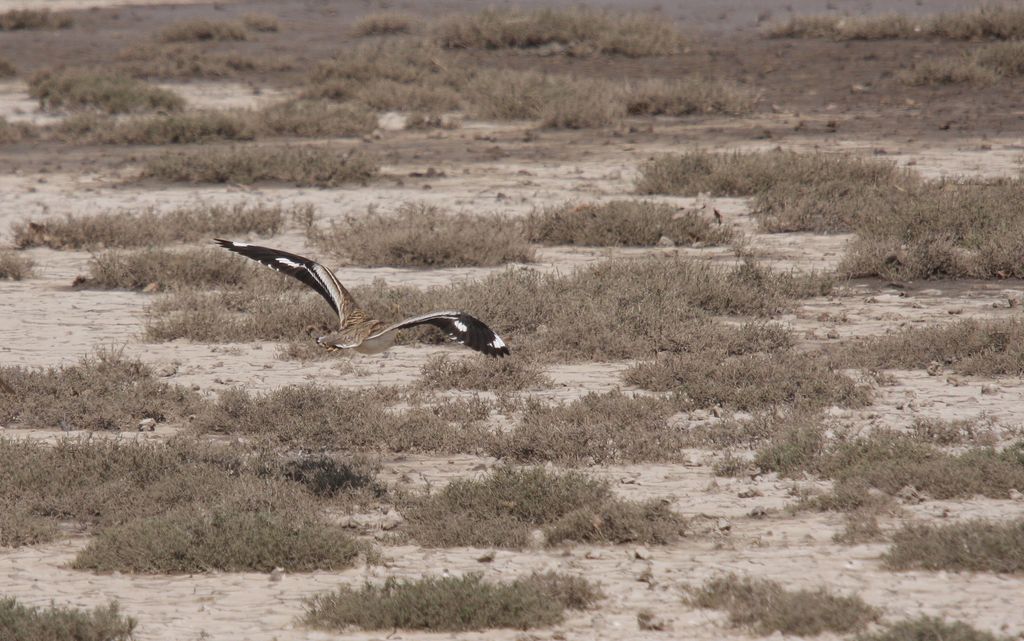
497 343
289 262
461 326
325 279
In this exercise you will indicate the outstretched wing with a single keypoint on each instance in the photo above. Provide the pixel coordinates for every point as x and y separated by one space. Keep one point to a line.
460 327
310 272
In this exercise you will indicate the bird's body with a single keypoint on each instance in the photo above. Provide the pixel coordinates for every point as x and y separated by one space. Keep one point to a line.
357 331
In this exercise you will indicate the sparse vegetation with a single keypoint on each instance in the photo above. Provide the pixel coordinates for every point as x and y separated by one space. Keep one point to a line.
971 347
14 266
638 223
692 95
889 462
34 19
102 90
304 166
152 496
232 537
420 235
156 269
55 623
263 22
990 22
452 603
504 507
316 118
971 546
126 229
315 417
183 61
578 31
927 628
7 69
101 392
766 607
753 381
948 71
202 30
507 374
387 23
792 191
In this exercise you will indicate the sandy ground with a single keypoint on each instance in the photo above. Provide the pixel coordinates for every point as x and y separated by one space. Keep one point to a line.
44 322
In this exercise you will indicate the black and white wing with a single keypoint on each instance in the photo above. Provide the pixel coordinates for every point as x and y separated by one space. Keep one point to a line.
460 327
310 272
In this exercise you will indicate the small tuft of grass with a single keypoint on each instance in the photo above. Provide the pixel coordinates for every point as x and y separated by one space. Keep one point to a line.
948 71
303 166
316 119
229 538
101 392
692 95
262 22
452 604
578 31
766 607
421 235
14 266
203 31
159 129
503 508
630 223
387 23
34 19
7 70
927 628
508 374
102 90
556 100
754 381
125 229
314 417
56 623
974 546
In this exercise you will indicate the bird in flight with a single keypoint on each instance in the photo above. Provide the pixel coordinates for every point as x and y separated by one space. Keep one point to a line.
357 331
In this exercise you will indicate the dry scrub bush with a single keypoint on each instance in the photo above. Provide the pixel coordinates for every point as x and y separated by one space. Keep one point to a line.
386 23
890 461
623 223
452 604
927 628
262 22
166 269
101 392
581 31
942 229
315 119
125 229
692 95
104 484
990 23
201 31
766 607
754 381
300 165
948 71
504 507
971 347
246 535
13 266
1004 58
33 19
595 429
421 235
971 546
792 191
103 90
505 375
314 417
186 62
55 623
